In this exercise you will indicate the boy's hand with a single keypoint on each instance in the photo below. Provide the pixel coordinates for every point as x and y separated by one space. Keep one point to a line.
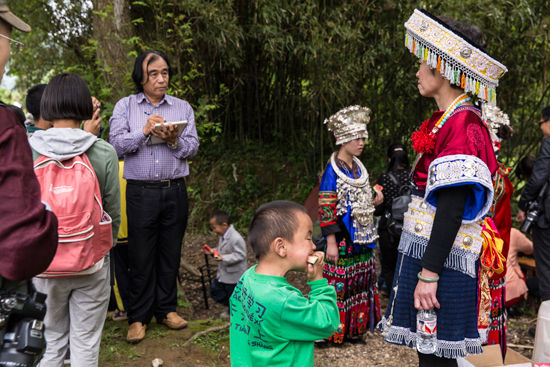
315 271
217 255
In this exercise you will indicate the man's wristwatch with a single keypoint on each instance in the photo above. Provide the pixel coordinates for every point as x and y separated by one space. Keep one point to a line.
174 145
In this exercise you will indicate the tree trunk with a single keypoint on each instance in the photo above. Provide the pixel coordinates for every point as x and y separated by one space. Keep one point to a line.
111 27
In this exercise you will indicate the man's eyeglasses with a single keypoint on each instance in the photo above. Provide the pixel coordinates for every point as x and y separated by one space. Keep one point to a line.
18 44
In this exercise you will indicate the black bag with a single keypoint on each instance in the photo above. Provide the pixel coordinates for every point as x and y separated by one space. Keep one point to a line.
399 206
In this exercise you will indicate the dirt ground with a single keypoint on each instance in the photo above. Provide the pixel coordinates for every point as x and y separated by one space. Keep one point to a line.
213 348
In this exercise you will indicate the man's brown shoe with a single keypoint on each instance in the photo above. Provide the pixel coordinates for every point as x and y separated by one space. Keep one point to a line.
174 321
136 332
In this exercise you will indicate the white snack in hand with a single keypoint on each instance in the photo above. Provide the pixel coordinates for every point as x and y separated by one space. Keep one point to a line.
312 259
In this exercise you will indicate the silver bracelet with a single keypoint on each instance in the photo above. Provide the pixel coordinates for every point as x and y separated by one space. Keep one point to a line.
427 280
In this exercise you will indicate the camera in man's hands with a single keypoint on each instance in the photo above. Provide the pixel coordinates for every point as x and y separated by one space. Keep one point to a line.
533 213
22 339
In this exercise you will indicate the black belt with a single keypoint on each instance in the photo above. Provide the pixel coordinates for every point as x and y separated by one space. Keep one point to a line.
162 184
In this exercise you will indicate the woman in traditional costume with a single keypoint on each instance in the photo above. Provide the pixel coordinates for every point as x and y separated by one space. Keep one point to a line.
492 320
441 243
346 217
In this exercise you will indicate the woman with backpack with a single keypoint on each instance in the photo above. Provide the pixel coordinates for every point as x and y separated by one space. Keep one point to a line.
346 209
444 231
78 173
393 181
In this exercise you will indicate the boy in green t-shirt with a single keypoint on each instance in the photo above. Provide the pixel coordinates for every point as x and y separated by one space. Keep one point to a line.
272 323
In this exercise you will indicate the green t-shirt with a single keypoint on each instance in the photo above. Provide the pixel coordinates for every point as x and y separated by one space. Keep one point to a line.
273 324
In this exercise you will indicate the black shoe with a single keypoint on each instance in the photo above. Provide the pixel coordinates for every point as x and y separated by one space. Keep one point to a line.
321 344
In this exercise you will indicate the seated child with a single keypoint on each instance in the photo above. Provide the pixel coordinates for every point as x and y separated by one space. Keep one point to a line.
231 254
272 323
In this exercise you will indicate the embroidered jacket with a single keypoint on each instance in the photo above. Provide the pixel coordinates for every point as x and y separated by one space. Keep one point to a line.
463 156
336 212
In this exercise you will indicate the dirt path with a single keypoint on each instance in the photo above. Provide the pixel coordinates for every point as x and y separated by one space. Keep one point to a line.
213 348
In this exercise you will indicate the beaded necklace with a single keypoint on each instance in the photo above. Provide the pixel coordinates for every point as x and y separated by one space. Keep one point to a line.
423 141
357 194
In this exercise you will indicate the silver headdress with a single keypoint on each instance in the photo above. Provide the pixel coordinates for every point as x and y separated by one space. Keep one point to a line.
495 118
453 56
349 123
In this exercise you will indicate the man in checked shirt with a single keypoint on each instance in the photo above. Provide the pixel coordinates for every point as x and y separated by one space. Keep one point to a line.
156 195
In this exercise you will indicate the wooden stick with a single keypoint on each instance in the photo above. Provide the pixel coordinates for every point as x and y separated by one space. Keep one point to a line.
520 346
201 333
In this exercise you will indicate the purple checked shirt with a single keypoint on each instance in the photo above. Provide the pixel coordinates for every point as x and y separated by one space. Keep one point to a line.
152 162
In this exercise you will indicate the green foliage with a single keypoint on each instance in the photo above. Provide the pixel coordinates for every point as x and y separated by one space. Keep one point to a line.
262 75
11 96
239 178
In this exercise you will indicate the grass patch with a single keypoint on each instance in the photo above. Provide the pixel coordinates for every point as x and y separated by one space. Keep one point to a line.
133 355
113 343
214 343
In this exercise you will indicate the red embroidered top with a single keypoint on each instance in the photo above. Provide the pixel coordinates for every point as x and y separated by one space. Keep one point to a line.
463 133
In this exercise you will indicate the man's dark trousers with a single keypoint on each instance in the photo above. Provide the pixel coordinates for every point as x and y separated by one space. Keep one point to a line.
157 218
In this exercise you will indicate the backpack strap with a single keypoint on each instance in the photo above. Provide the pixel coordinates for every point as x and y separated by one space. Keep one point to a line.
393 179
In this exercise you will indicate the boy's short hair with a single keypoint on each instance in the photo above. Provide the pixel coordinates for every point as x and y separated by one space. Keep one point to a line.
66 97
272 220
220 216
32 101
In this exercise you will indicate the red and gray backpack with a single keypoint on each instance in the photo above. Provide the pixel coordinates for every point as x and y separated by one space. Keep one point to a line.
71 189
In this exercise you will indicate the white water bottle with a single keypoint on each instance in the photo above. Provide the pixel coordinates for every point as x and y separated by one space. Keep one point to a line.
426 331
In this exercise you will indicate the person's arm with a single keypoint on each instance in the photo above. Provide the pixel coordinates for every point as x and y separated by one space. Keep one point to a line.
328 218
328 199
541 173
238 251
120 136
381 209
188 141
310 319
28 230
111 191
447 221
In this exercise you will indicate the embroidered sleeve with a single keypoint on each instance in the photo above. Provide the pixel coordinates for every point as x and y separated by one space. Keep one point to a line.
462 170
328 198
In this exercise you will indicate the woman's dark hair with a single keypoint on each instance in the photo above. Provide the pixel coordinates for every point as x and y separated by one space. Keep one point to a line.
545 113
32 102
505 132
137 74
471 33
17 111
66 97
525 167
397 154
